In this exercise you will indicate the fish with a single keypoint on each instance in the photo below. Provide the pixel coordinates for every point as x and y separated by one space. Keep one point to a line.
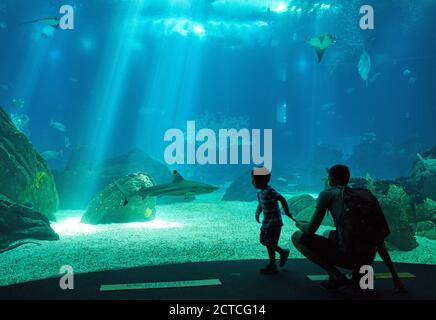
51 155
178 187
364 66
407 73
49 21
321 43
67 142
375 77
18 103
327 106
58 126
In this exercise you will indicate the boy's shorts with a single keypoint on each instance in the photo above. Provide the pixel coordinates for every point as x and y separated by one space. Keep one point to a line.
270 237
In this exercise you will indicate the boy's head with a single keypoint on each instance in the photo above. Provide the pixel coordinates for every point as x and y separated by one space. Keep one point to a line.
339 175
260 177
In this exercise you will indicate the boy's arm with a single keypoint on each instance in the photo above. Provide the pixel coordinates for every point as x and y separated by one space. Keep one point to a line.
285 206
258 211
384 254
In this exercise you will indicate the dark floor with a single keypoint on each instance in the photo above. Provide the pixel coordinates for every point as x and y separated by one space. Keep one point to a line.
240 280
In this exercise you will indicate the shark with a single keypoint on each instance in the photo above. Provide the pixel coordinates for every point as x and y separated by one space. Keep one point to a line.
321 43
364 66
49 21
178 187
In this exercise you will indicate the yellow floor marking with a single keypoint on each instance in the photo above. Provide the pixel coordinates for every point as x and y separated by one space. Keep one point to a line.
160 285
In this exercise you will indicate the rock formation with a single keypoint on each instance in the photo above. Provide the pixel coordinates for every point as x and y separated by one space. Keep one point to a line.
74 195
24 175
107 206
18 222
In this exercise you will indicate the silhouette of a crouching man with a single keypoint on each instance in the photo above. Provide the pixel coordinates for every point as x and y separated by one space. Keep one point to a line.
360 232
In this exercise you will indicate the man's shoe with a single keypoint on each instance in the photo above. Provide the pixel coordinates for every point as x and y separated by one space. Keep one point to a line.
336 284
284 257
269 269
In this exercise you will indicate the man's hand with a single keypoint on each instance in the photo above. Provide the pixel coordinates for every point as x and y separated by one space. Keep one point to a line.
257 218
290 216
302 225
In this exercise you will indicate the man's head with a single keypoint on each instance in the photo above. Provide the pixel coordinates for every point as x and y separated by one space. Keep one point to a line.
339 175
260 177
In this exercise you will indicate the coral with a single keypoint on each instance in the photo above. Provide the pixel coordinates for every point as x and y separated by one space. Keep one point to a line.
39 179
398 207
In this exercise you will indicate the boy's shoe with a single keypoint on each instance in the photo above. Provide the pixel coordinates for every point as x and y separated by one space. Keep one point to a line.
269 269
336 284
284 257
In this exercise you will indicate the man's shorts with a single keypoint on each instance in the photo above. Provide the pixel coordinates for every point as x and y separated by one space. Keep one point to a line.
328 250
270 237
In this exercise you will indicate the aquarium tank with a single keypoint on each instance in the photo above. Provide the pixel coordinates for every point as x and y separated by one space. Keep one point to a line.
133 134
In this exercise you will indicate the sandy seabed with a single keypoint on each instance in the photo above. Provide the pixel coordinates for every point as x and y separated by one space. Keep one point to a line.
202 230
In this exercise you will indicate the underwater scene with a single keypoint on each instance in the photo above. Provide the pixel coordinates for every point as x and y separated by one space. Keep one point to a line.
130 129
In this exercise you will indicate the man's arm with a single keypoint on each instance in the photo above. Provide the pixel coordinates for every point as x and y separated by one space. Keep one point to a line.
285 206
312 226
258 211
384 254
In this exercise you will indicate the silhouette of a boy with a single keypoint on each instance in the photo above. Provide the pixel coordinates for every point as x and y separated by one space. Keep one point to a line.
272 220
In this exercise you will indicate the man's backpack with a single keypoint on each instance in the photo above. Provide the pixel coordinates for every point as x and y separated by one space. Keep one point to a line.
362 225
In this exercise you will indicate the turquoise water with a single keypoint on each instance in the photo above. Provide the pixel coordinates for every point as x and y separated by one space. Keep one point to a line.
129 78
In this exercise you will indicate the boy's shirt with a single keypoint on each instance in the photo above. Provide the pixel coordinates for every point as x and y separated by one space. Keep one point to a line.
268 199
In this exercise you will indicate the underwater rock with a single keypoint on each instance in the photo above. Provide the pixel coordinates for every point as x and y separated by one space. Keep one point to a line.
433 219
18 222
24 174
98 176
398 208
299 203
425 210
241 189
426 229
284 180
303 208
429 234
107 207
423 176
424 226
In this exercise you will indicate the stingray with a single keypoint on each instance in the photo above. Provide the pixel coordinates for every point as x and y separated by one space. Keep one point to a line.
364 66
321 43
